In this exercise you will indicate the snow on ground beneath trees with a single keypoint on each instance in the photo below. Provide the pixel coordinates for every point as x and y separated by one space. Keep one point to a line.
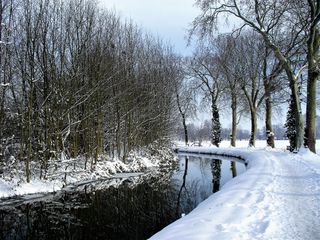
278 197
65 173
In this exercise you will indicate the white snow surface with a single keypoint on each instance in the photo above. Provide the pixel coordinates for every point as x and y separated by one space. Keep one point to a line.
278 197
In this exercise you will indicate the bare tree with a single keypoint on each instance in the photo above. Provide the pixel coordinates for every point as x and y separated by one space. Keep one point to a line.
76 80
251 82
311 19
229 67
204 69
268 18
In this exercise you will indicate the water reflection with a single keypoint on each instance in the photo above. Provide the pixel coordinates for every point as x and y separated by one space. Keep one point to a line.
125 212
183 186
216 174
199 177
134 210
233 169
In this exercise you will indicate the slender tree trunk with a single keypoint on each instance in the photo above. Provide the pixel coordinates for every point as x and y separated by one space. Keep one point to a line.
118 140
183 117
216 126
269 129
253 113
185 129
234 131
234 120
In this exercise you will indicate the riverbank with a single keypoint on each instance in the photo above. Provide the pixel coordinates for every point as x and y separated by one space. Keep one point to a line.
64 173
278 197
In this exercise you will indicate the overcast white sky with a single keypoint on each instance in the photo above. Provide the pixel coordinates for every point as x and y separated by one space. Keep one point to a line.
168 19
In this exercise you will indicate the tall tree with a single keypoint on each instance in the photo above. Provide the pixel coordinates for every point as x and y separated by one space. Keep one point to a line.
249 52
204 69
311 19
226 48
185 98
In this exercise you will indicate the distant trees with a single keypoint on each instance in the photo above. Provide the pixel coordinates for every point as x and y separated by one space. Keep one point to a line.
77 80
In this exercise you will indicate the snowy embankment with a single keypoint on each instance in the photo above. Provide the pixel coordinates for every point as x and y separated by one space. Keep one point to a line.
70 173
278 197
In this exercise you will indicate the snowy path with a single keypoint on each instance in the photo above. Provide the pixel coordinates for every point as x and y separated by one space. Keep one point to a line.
278 197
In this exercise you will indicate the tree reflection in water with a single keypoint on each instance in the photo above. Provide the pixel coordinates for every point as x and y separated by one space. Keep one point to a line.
216 174
133 210
183 187
233 169
124 212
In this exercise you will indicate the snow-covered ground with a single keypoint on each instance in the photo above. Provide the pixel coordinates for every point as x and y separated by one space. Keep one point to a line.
278 197
64 173
281 144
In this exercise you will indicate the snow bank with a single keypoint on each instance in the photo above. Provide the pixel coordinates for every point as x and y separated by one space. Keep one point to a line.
64 172
278 197
280 144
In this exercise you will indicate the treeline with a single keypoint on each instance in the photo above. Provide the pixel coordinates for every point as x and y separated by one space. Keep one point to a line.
78 80
203 133
271 57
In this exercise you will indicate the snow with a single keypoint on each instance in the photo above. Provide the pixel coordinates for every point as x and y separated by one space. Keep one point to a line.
4 84
69 173
278 197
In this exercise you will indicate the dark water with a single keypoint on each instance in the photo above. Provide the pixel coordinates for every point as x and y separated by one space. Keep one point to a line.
136 209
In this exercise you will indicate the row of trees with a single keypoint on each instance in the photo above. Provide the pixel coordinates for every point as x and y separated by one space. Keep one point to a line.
271 57
78 80
243 73
203 132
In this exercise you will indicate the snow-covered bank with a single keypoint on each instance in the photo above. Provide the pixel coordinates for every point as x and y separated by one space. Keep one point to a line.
280 144
278 197
64 173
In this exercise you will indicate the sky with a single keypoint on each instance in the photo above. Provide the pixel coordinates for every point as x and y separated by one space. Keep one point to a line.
168 19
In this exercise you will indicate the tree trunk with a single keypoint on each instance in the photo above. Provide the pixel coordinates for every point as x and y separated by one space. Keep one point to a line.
269 129
313 74
216 126
252 141
267 89
183 117
234 120
185 129
310 131
298 114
